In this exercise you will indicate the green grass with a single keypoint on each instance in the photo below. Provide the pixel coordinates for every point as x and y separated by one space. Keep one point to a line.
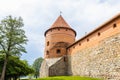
68 78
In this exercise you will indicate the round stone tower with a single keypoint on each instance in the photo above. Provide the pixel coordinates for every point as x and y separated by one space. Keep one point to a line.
57 38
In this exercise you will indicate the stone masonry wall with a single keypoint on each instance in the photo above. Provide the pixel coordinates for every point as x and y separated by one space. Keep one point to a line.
102 60
44 69
59 68
53 67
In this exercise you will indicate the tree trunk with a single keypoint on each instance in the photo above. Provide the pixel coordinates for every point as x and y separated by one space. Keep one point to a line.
4 69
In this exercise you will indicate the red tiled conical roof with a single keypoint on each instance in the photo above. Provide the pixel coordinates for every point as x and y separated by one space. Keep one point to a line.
60 22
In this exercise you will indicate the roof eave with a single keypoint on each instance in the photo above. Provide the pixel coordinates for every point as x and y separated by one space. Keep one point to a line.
60 27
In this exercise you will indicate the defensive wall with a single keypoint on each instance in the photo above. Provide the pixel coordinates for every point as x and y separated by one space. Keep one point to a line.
98 53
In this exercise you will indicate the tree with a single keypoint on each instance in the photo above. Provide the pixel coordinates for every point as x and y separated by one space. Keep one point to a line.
37 65
12 39
15 67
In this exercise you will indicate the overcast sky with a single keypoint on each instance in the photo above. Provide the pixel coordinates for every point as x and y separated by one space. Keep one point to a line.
38 15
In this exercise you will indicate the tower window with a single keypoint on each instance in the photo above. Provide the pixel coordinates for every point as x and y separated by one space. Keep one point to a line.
58 51
114 25
98 33
48 43
47 52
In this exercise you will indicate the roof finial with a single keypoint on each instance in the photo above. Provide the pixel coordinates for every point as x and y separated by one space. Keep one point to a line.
60 12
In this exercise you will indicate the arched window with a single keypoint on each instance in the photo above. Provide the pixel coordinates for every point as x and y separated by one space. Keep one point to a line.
58 51
87 40
48 43
98 33
114 25
47 52
79 44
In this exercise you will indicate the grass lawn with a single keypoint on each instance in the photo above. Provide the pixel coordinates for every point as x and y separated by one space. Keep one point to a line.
68 78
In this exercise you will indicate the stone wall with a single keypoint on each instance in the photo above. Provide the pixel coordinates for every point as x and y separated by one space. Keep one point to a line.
53 67
59 68
44 69
102 60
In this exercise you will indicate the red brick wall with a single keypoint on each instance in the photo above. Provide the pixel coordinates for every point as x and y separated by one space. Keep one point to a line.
94 39
54 36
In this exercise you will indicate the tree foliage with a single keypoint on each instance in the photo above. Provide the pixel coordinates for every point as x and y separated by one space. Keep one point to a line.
37 65
16 67
12 36
12 39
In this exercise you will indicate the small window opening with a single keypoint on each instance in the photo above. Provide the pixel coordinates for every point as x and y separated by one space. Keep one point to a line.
66 29
87 40
58 51
79 44
48 43
47 52
114 25
98 33
58 29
